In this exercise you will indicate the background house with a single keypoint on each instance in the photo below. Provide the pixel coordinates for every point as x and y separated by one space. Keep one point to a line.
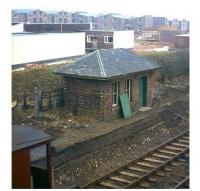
140 23
159 21
160 34
108 21
56 27
95 39
62 17
37 16
182 41
94 83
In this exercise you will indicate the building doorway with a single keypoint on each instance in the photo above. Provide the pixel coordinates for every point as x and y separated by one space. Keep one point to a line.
143 91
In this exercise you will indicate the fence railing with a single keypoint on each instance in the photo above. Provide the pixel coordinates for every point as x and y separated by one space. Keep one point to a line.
43 100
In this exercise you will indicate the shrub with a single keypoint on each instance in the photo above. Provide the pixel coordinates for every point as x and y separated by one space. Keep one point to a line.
173 63
23 82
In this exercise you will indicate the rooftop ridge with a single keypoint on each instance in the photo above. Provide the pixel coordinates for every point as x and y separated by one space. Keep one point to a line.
100 64
85 56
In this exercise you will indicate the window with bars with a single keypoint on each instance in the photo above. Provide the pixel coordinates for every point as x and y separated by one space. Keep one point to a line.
128 88
115 93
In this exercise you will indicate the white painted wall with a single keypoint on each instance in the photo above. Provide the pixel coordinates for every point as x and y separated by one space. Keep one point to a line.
38 47
18 28
123 39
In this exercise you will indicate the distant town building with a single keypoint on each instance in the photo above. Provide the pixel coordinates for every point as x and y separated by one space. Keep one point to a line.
140 23
182 41
128 23
37 16
56 27
110 22
108 39
159 21
62 17
150 34
79 17
19 17
183 25
160 34
175 23
168 35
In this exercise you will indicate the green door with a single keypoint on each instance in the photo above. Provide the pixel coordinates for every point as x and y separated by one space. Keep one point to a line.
143 91
125 103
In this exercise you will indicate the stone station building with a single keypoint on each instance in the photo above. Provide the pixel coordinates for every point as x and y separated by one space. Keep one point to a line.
94 83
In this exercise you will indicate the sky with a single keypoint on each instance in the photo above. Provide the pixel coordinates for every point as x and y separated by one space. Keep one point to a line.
179 9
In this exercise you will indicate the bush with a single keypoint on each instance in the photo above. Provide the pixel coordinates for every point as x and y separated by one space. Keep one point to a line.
173 63
23 82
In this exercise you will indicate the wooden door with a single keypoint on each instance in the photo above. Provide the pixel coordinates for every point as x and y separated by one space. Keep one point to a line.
143 91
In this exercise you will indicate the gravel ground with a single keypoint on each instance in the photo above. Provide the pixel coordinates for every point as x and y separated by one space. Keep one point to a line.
87 168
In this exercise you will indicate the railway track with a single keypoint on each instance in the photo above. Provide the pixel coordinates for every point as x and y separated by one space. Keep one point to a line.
140 173
183 184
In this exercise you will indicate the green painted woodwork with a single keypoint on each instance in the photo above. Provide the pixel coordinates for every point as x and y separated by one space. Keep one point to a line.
125 103
143 91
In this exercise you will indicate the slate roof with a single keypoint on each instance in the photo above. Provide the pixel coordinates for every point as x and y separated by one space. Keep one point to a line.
107 63
24 137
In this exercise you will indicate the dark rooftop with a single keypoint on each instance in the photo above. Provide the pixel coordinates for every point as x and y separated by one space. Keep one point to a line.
23 137
107 63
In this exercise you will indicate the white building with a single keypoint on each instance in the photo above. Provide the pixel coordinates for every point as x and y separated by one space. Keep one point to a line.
18 28
34 47
123 39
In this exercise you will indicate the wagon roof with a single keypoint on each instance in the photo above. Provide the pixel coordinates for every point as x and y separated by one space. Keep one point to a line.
24 137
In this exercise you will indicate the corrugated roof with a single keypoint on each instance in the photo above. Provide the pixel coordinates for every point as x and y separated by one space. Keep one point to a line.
23 137
107 63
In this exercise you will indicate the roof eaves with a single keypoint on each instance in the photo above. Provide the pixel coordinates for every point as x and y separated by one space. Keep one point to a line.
82 77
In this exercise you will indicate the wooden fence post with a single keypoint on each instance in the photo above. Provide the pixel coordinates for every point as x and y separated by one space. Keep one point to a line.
62 99
24 104
50 100
37 100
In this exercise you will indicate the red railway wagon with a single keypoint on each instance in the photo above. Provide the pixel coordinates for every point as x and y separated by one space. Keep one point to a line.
24 173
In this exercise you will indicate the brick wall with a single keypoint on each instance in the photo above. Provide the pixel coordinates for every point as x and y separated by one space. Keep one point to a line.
168 35
48 28
100 39
181 42
111 112
95 96
82 95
